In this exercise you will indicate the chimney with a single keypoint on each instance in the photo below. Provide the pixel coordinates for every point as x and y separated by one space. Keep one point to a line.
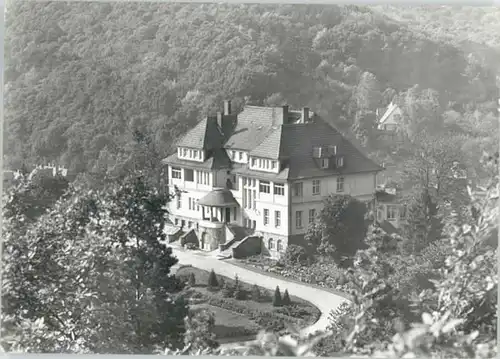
305 114
285 114
227 107
219 119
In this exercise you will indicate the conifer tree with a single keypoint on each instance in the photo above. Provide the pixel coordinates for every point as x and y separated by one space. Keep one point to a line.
277 301
238 290
212 280
286 298
256 295
191 280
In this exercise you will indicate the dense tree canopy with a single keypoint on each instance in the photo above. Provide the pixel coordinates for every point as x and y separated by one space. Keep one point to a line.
91 275
83 78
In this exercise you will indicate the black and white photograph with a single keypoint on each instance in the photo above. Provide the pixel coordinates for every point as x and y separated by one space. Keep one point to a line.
247 179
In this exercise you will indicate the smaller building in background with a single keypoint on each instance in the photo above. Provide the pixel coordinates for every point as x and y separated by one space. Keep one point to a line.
389 123
391 207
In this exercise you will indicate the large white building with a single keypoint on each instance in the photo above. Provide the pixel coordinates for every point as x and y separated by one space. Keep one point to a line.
261 173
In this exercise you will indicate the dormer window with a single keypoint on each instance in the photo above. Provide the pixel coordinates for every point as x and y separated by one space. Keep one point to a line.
332 150
184 152
325 163
317 152
233 155
240 156
340 162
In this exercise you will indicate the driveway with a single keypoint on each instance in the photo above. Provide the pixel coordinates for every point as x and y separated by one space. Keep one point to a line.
323 300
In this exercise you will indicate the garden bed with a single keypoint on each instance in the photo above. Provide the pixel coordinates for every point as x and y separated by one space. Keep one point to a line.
299 313
318 275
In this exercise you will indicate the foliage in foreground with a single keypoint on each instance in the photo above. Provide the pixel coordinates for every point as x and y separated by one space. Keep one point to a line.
91 275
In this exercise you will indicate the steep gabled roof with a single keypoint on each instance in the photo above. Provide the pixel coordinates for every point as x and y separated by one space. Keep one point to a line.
388 113
252 127
206 135
272 147
217 159
299 139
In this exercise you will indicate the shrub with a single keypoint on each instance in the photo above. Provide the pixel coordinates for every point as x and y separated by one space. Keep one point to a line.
295 254
256 295
277 301
227 290
212 280
191 280
286 298
238 292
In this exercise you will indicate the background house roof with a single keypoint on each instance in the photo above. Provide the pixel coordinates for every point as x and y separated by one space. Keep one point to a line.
391 109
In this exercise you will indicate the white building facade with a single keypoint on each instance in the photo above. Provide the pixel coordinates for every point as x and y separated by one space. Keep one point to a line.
265 170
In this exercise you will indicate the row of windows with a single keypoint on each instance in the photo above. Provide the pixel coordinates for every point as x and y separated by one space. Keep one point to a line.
278 188
279 244
189 153
202 177
277 218
263 163
298 218
193 204
234 156
249 198
298 188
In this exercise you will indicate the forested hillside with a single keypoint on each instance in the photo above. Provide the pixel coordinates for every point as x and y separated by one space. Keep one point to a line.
84 79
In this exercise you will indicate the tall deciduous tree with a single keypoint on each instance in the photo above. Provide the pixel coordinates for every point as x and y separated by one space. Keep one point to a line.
93 275
200 330
340 227
423 225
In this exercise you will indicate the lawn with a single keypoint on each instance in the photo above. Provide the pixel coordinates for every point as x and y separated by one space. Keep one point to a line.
229 324
260 313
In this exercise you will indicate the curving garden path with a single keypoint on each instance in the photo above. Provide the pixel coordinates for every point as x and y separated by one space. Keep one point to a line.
325 301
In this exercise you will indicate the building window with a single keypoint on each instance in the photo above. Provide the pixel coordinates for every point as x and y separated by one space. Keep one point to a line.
270 243
277 219
298 189
176 221
240 156
340 161
254 224
253 162
176 173
254 199
179 201
264 187
190 224
279 189
340 184
197 206
298 219
402 212
324 163
189 202
266 216
316 187
312 215
188 175
234 214
203 178
392 212
279 245
273 165
233 154
184 152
